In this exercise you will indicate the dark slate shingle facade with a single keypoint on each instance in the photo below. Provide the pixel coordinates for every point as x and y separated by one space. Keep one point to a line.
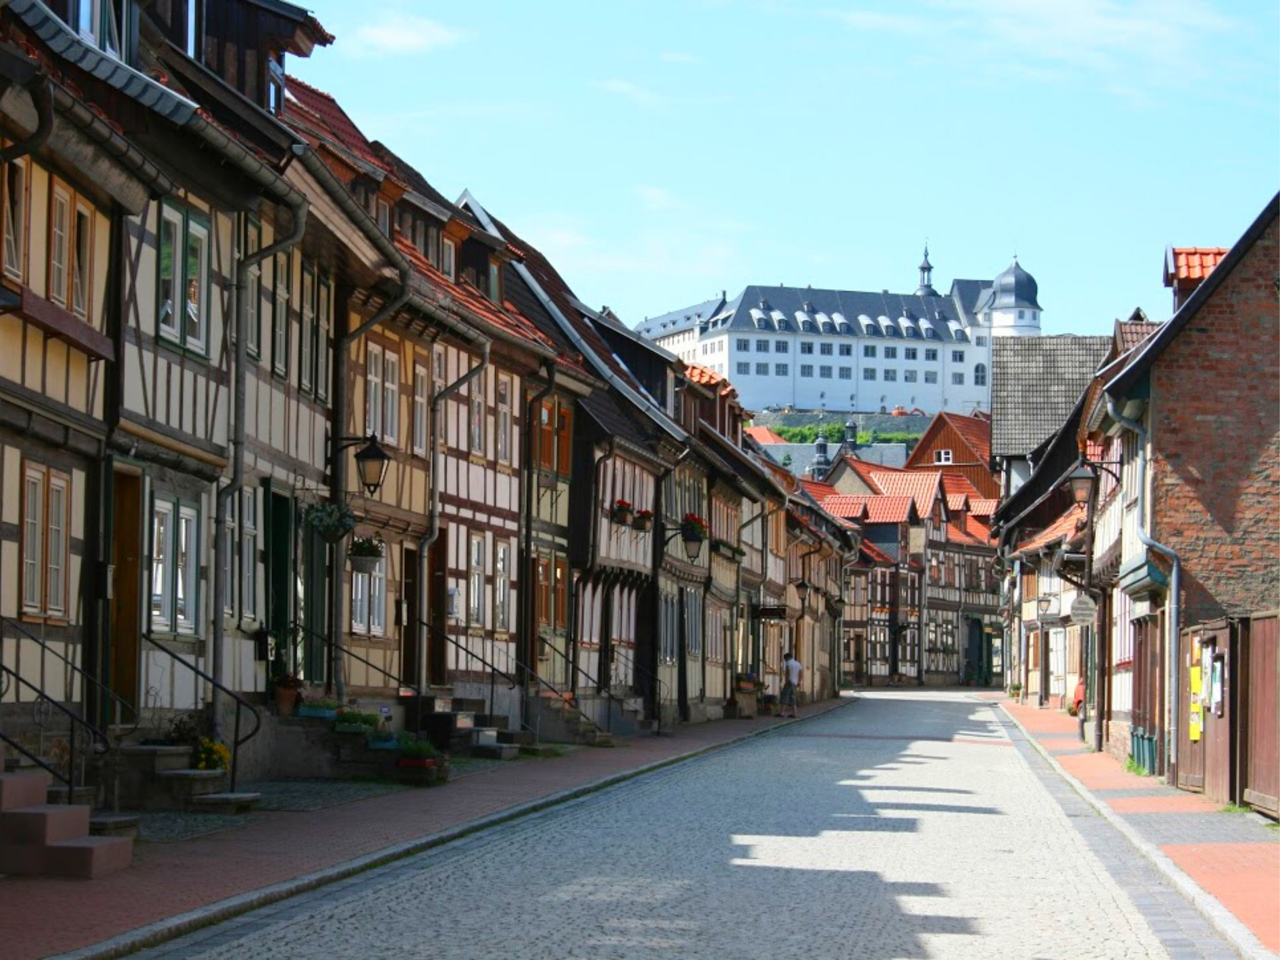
1035 382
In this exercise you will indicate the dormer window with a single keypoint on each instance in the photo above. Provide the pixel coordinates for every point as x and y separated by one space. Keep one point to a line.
495 281
448 252
275 84
942 456
97 21
383 213
194 28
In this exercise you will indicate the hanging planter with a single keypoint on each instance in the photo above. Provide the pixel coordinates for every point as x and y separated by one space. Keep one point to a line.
643 520
693 528
623 512
365 553
333 521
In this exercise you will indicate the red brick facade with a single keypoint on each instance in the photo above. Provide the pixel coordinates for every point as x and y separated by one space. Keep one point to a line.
1216 433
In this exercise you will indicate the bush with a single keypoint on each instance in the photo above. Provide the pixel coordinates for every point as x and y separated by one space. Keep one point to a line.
411 748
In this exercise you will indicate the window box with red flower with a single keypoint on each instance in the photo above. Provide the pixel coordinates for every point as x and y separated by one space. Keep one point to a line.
623 512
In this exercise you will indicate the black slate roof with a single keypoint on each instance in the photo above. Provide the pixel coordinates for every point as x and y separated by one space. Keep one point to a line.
1035 383
682 319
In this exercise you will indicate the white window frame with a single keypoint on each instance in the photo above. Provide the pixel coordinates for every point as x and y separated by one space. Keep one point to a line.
477 427
248 555
378 599
280 296
253 333
161 555
324 315
57 546
307 333
186 566
33 539
391 397
420 410
15 219
198 340
228 535
373 356
382 212
60 247
942 456
81 259
502 586
475 580
504 389
359 602
449 258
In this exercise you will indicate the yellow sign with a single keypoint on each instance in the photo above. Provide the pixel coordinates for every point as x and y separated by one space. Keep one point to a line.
1193 728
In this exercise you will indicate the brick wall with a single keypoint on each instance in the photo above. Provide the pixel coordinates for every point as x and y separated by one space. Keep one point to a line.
1216 435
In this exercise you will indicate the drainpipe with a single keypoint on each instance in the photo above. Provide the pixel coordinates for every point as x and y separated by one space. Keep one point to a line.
1175 583
591 553
243 264
433 526
804 609
529 577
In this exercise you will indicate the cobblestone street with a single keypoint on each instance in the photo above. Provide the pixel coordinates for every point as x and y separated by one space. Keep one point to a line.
909 824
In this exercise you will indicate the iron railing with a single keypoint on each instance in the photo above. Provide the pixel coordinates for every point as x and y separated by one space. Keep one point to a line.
241 703
600 687
659 687
76 721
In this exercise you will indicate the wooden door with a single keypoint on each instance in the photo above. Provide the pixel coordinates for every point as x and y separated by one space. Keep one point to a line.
1191 749
437 610
281 587
409 632
1259 689
126 589
315 604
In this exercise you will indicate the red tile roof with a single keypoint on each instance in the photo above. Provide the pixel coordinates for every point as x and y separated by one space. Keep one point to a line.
1131 333
763 435
879 509
983 508
953 483
704 376
863 469
975 432
336 124
970 531
920 485
957 502
819 490
1064 528
1187 266
873 553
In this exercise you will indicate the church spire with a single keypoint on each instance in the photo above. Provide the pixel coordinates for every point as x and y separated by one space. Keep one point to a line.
926 276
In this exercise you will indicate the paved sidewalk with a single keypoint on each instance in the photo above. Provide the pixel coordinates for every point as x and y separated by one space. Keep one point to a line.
42 916
1233 858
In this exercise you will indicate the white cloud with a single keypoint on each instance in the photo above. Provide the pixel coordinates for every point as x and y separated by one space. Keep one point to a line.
887 22
640 96
655 198
395 33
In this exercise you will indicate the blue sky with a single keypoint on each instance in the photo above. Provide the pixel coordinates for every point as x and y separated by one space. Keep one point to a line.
660 152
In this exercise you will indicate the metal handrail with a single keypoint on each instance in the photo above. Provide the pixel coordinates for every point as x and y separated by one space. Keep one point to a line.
348 652
660 687
137 714
75 720
53 771
600 688
241 703
432 628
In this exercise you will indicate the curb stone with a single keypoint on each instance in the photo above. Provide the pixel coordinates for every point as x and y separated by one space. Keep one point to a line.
182 924
1222 919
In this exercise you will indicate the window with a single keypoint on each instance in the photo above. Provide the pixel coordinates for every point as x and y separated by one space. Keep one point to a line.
846 373
81 259
564 441
307 331
248 554
275 85
825 349
477 420
930 355
806 347
957 356
378 599
869 350
931 376
228 535
744 346
546 437
373 390
957 379
980 341
419 410
891 376
1022 314
323 348
184 271
45 525
745 368
542 598
504 419
447 251
846 349
501 586
891 353
561 594
15 218
359 602
910 353
942 456
868 373
186 563
806 370
824 372
391 397
59 246
780 346
475 583
780 370
161 550
280 316
762 346
495 281
909 376
194 30
253 330
980 375
383 212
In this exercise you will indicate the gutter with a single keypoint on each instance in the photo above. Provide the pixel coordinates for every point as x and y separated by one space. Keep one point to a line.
1175 583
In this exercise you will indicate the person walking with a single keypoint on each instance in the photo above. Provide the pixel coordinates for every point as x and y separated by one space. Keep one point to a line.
793 672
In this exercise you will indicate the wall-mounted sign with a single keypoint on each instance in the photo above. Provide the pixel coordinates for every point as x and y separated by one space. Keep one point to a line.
772 613
1084 609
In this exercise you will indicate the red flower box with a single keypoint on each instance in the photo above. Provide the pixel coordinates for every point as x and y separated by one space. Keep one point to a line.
421 762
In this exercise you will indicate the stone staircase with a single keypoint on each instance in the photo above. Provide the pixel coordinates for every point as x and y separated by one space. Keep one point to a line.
158 777
565 718
38 837
459 725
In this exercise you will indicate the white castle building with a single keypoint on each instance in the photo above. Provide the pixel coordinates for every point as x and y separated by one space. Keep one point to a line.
856 350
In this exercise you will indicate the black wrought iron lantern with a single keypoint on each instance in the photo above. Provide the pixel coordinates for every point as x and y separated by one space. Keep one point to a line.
371 465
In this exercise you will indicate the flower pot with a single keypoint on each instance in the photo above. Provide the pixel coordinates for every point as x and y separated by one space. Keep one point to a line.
286 700
421 762
389 744
364 564
358 728
643 524
332 535
317 713
623 515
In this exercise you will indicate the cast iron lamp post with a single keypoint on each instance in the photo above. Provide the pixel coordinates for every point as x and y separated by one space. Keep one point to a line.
371 461
1043 604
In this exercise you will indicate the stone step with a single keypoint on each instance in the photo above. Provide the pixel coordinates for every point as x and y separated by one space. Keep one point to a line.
43 824
88 858
113 825
598 738
183 784
496 720
468 705
158 757
23 789
57 793
482 736
230 803
518 737
496 751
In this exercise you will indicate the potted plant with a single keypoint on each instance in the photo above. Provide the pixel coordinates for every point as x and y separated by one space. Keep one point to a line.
693 528
623 512
415 752
211 755
332 521
365 552
643 520
352 721
319 709
383 738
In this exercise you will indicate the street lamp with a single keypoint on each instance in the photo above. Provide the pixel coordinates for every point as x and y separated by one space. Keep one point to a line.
1081 482
1043 604
692 545
371 461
